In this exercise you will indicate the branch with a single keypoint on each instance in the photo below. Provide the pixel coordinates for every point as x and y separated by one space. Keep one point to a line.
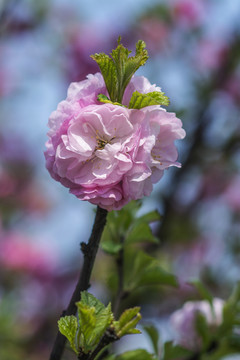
89 251
107 339
120 270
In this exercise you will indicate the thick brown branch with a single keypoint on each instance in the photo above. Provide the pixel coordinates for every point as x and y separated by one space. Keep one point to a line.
89 251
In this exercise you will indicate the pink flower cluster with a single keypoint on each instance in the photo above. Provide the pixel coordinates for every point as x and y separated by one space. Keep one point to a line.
109 154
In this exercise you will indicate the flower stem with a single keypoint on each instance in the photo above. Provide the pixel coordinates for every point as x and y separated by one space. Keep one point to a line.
89 252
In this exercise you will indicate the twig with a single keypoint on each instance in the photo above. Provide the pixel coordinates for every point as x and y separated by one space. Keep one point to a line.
107 339
89 251
120 272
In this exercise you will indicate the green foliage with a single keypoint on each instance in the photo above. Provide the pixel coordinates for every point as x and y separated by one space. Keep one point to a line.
125 227
138 100
127 322
139 354
205 294
126 231
68 327
231 313
94 319
146 270
203 330
153 335
174 352
96 323
104 99
118 69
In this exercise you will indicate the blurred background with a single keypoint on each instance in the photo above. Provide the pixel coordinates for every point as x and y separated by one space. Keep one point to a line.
194 49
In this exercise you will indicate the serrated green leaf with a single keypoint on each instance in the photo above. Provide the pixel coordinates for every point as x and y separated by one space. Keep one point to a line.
108 70
87 322
118 70
173 352
140 232
91 301
153 335
127 322
104 319
94 319
139 101
68 327
127 66
139 354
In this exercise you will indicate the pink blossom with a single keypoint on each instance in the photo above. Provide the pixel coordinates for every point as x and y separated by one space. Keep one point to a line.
184 321
232 194
108 154
19 253
154 32
189 13
211 54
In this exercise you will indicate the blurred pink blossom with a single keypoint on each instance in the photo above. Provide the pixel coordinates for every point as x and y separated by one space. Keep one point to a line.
79 42
109 154
232 87
211 53
19 253
7 184
154 32
232 194
206 250
189 13
183 321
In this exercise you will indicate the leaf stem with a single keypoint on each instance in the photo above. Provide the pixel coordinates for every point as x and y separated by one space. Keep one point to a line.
89 252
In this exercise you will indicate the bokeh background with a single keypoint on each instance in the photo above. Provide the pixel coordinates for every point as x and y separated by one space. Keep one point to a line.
194 49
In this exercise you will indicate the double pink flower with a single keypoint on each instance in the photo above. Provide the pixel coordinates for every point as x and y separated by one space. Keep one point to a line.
109 154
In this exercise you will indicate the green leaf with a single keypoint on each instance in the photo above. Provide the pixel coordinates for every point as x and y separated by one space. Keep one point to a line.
87 322
94 319
205 294
150 217
173 352
141 232
139 354
156 275
117 227
118 70
104 99
146 270
138 100
202 329
110 247
127 322
231 312
154 337
108 70
68 327
90 300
